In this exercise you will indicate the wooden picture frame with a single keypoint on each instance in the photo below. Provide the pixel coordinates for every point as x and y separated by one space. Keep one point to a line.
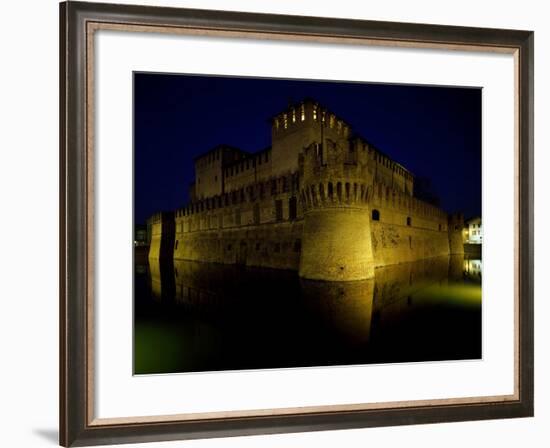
78 22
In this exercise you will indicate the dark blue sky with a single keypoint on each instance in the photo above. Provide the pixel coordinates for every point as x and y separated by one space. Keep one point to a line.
435 132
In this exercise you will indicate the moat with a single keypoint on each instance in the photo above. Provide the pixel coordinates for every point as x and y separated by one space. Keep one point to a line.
192 316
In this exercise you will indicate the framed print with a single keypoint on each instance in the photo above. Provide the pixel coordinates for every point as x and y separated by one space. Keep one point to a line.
278 224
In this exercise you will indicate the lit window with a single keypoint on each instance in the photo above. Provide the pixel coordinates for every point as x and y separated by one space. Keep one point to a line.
294 115
285 119
315 112
303 113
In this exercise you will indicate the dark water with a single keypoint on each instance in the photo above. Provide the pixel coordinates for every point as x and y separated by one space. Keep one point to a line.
202 317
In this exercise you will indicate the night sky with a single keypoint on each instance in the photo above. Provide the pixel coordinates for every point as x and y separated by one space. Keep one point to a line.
435 132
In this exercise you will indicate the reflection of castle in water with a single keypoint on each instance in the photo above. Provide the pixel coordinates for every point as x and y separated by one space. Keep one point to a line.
350 308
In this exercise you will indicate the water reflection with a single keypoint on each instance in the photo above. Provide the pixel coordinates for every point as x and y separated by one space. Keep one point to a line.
196 316
472 268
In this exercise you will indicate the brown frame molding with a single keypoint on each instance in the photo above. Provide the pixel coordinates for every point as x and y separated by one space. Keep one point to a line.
78 23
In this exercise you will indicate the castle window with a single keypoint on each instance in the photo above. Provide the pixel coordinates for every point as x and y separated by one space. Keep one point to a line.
294 115
375 215
292 208
303 112
176 246
285 120
215 178
278 210
440 227
229 247
409 221
297 245
315 112
257 246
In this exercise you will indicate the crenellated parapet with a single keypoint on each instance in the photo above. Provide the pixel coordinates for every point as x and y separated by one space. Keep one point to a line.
335 175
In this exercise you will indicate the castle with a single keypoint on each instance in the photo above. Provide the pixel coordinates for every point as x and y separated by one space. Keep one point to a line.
321 200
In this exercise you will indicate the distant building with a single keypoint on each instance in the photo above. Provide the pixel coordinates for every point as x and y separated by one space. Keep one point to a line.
474 231
141 236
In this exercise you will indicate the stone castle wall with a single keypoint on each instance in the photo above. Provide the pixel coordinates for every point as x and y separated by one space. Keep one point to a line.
162 235
251 231
407 229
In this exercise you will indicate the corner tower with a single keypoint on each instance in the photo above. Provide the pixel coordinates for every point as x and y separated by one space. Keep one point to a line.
335 193
456 234
162 236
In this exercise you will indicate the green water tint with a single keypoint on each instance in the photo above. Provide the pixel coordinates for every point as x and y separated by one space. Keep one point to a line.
192 317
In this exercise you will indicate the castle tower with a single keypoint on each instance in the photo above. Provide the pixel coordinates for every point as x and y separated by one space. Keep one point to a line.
335 194
456 234
297 127
162 235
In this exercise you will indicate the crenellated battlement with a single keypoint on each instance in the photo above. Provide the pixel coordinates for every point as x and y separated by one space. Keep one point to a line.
308 113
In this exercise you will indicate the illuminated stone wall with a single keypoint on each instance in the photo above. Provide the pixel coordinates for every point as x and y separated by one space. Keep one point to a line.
209 171
162 235
457 234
